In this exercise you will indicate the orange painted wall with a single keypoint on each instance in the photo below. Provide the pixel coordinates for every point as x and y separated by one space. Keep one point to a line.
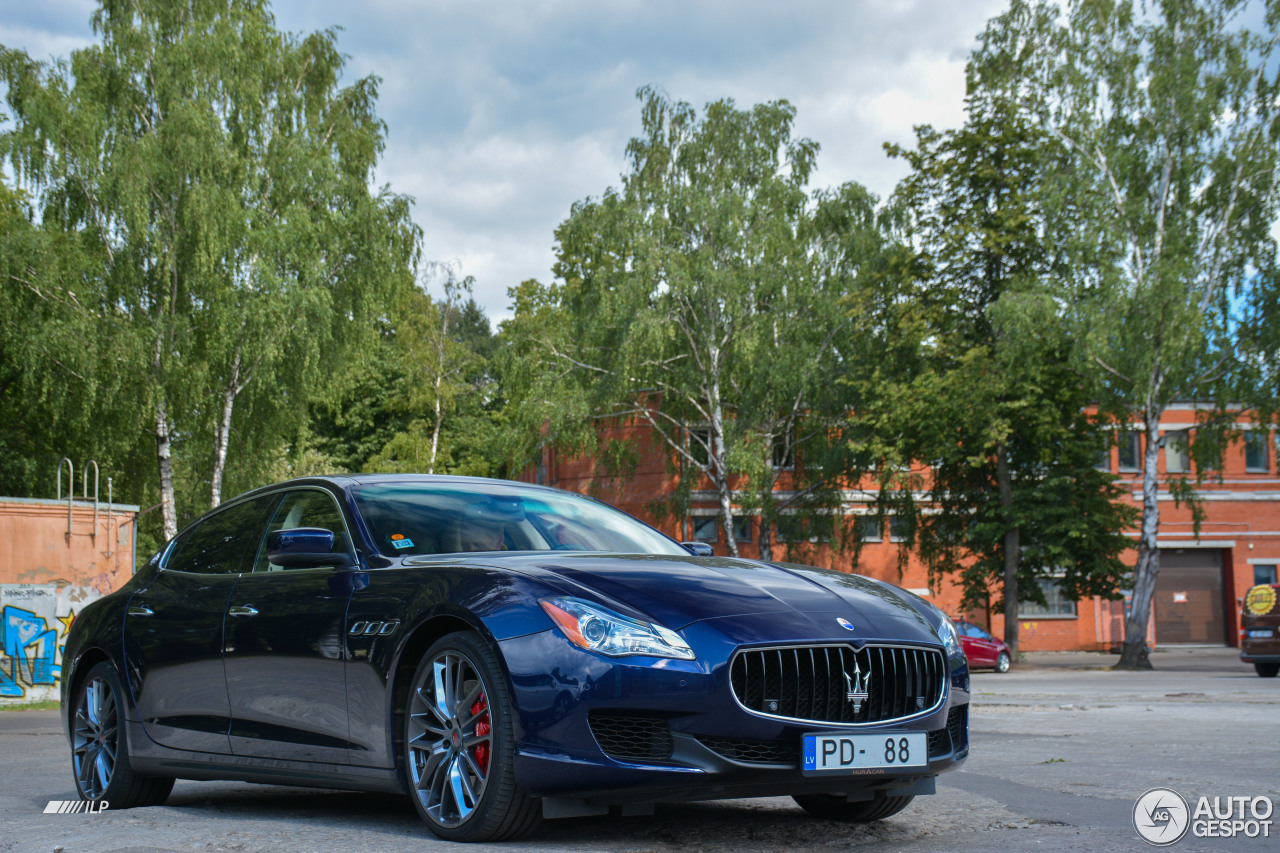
35 548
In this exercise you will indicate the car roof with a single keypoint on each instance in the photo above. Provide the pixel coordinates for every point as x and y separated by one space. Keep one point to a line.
345 480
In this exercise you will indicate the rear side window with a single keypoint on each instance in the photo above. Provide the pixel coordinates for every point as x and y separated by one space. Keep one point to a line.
218 544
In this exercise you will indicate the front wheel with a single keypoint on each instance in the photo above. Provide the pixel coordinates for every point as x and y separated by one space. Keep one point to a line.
1002 662
460 746
836 807
1267 670
100 747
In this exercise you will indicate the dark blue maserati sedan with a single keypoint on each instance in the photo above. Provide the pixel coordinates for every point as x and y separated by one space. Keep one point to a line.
502 653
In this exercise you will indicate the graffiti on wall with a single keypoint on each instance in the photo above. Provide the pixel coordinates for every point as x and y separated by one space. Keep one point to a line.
34 619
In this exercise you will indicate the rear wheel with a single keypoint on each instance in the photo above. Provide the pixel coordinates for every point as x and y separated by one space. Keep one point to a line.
836 807
1002 662
1267 670
100 747
460 746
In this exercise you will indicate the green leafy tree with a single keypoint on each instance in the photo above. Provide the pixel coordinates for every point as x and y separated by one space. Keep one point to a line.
62 389
991 403
444 384
701 300
219 175
1164 193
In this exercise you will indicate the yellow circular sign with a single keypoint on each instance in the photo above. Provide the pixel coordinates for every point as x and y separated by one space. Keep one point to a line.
1260 600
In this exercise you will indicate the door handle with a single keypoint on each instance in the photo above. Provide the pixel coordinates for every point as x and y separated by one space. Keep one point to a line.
140 610
243 610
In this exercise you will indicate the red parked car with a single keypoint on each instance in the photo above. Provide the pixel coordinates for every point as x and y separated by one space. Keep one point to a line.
982 649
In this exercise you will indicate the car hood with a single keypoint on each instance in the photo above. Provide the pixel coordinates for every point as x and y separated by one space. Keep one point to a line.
677 591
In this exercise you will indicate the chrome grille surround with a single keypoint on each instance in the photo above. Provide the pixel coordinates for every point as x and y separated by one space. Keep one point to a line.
907 671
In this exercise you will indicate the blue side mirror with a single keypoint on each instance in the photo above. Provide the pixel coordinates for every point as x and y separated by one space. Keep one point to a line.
304 548
699 549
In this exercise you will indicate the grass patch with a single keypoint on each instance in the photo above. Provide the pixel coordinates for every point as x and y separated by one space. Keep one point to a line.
47 705
1055 761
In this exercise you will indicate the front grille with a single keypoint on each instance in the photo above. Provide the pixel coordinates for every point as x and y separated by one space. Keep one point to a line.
755 751
811 683
632 738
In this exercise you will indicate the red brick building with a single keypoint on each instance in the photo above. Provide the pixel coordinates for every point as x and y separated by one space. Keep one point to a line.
1201 584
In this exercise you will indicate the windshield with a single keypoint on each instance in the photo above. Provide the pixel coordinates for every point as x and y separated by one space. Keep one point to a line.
434 518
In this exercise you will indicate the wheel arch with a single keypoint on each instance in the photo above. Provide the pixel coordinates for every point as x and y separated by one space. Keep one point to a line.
406 663
85 661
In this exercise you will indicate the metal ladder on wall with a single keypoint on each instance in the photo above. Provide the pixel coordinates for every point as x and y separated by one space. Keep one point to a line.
71 488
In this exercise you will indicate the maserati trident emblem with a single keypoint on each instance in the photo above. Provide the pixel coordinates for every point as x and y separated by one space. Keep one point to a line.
845 623
859 687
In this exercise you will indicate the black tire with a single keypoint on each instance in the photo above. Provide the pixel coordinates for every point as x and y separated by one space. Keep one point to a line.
1267 670
449 754
1003 662
100 747
836 807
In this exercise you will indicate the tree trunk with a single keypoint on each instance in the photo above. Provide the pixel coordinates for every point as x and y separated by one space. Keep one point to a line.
1012 552
1136 655
768 510
766 541
223 435
720 465
441 344
167 509
435 431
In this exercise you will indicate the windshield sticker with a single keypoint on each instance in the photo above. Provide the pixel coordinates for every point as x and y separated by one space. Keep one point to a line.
399 541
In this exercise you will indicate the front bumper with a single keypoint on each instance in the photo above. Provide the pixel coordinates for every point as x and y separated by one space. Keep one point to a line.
557 687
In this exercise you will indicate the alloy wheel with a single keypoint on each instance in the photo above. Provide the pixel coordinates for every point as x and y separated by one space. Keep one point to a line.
96 738
450 738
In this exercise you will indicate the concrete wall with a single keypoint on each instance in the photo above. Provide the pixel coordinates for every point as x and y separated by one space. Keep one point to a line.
49 570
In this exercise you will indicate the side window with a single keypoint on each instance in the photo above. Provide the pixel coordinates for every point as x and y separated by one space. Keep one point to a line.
218 545
304 508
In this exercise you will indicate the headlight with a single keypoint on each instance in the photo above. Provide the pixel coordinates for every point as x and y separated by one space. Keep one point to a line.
599 630
950 639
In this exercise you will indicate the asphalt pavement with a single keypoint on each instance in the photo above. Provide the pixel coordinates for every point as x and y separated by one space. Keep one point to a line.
1061 749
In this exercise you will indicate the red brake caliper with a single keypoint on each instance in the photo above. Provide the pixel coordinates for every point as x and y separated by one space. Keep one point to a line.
482 728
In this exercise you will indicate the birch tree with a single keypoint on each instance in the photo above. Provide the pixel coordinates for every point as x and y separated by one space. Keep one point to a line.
700 299
1167 118
221 175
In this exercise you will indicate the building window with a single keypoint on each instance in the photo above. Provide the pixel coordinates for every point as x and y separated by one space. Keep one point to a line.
784 453
1264 573
1130 451
706 528
899 527
870 528
1104 460
742 528
799 528
700 445
1175 454
1056 604
1256 457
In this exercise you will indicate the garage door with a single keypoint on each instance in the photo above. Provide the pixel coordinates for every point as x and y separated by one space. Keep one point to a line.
1189 597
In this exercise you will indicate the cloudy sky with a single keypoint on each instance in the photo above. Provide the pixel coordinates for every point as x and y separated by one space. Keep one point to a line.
502 114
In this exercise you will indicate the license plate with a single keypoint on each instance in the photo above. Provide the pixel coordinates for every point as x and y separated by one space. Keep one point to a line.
855 754
1259 632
